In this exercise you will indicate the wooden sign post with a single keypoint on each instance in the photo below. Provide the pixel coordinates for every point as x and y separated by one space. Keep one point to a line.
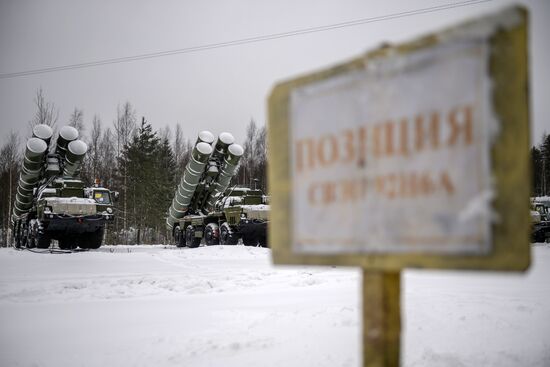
415 155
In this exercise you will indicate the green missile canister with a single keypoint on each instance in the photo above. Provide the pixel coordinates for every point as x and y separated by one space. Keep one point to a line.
228 170
76 150
33 161
222 144
190 179
31 169
43 132
67 134
205 136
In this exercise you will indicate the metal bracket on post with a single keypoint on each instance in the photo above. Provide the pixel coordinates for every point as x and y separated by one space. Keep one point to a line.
381 318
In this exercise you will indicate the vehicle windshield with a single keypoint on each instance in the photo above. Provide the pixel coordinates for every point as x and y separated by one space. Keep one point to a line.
102 197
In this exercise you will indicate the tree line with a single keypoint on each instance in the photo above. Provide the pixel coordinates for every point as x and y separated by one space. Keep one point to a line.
144 165
540 161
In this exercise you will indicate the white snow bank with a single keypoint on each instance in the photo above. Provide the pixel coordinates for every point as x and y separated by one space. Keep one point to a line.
229 306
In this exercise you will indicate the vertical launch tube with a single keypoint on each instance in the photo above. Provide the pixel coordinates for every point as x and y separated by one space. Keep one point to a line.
29 177
43 132
228 170
74 155
67 134
190 179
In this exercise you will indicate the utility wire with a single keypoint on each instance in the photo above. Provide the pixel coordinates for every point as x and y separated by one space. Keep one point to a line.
243 41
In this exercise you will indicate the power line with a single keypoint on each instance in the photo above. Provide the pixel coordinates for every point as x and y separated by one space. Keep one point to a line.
243 41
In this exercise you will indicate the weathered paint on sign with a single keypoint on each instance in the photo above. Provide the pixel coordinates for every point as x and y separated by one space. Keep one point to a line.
395 157
415 155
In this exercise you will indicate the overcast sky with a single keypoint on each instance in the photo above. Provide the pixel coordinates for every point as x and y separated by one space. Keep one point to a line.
219 89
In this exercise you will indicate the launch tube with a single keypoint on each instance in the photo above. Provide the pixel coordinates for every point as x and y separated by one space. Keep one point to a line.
74 155
205 136
222 144
191 176
31 169
67 134
43 132
228 170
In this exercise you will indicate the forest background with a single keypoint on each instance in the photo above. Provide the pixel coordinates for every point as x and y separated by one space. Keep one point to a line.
127 156
145 166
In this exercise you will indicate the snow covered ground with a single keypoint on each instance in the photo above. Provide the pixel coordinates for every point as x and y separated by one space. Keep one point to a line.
229 306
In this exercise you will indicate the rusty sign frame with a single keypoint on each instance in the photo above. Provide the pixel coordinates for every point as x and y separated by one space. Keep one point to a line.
509 155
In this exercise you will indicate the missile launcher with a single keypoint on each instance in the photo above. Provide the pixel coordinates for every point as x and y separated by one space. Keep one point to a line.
51 201
205 208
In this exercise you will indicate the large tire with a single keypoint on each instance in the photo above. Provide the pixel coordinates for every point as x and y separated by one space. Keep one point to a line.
250 240
17 243
210 236
95 239
263 241
23 237
43 241
67 243
31 241
226 237
179 237
190 239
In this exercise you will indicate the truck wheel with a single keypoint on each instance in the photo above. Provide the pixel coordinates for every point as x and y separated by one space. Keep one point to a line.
263 241
211 234
31 242
18 237
250 241
179 237
83 241
43 241
67 243
226 237
190 239
95 239
23 240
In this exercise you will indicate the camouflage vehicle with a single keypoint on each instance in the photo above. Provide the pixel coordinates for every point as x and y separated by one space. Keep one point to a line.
52 202
205 209
540 214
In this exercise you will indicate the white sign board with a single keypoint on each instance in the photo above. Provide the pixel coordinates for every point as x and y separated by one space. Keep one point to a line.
395 158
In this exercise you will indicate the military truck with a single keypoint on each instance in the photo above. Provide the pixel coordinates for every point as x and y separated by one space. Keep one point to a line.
540 214
52 202
205 209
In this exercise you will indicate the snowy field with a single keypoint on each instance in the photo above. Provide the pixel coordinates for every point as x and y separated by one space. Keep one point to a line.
228 306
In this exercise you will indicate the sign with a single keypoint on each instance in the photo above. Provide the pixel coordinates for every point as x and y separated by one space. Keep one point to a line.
395 158
412 155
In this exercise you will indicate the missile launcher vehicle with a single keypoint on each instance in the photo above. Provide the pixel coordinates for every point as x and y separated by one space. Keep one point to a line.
52 202
540 214
204 208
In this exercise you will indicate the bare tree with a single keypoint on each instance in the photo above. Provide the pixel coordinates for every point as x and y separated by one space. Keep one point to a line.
107 158
260 155
124 127
165 133
95 136
178 149
186 153
248 159
77 120
9 163
46 113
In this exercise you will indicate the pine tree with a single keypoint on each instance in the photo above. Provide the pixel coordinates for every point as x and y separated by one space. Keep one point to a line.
165 184
536 164
10 159
545 161
149 166
138 165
